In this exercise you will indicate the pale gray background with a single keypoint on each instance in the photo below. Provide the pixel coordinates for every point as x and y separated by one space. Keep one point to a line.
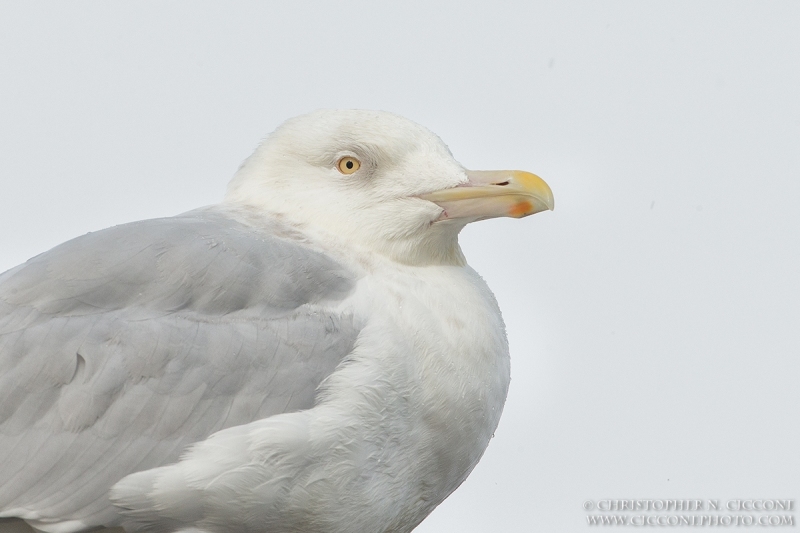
654 317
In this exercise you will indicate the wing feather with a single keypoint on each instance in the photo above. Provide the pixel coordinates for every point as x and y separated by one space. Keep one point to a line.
121 347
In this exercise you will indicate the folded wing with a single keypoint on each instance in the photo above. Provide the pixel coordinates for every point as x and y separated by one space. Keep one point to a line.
120 348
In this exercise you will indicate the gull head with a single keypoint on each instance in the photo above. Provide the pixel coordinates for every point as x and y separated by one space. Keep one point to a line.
378 181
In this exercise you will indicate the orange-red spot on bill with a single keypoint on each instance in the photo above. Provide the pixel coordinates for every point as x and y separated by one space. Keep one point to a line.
520 208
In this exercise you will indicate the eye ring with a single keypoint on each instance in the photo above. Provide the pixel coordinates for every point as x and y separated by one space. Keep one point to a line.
348 164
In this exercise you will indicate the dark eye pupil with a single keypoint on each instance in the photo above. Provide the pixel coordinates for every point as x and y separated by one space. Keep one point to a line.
349 164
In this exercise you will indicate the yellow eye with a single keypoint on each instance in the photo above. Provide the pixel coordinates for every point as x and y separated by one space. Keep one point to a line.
348 165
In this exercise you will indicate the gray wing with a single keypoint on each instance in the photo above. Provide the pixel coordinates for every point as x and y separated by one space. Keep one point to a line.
121 347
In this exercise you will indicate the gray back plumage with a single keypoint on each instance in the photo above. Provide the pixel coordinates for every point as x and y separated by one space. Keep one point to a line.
121 347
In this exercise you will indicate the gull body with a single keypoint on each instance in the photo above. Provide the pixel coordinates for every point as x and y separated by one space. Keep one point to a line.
311 354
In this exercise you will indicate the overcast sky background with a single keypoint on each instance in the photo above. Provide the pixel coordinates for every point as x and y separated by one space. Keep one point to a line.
654 317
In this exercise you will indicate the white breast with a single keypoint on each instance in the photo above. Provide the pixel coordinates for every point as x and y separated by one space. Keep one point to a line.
428 380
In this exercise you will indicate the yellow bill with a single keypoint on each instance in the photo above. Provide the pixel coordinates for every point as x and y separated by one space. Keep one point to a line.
494 193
